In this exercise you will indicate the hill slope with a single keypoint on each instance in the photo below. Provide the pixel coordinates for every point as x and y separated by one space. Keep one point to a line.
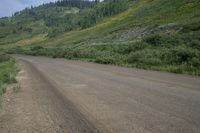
158 34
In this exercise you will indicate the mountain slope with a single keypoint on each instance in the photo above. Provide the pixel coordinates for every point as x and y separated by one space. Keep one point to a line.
158 35
142 13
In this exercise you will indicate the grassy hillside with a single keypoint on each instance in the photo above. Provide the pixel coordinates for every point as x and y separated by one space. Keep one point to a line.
149 34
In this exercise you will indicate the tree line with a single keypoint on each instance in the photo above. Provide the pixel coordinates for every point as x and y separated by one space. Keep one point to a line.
89 13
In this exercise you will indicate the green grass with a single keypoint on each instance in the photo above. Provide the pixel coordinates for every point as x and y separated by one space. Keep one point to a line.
141 13
155 52
8 71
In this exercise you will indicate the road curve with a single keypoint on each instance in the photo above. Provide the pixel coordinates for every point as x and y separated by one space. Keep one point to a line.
73 96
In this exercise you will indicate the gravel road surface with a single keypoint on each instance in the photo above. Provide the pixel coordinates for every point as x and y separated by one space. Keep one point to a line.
61 96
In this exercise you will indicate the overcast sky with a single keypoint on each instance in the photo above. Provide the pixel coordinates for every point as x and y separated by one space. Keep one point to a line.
8 7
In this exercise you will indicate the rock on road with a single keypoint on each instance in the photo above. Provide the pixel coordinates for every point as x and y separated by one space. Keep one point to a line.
61 96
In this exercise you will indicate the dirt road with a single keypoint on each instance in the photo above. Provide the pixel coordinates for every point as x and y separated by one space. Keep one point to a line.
60 96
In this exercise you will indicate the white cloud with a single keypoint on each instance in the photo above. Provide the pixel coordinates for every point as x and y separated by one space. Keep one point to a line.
8 7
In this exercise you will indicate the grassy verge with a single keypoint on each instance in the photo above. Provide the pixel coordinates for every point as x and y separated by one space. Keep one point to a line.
171 53
8 71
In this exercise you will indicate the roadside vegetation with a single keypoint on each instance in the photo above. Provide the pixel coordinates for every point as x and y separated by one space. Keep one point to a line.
166 53
157 35
8 71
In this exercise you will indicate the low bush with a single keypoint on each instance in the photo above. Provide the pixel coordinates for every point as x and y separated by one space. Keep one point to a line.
110 58
8 70
148 57
163 40
154 40
4 57
157 52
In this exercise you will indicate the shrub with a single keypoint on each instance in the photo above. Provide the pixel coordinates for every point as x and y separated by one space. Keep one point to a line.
8 70
195 43
105 60
111 58
35 48
146 57
2 89
181 55
154 40
128 48
163 40
4 57
195 62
